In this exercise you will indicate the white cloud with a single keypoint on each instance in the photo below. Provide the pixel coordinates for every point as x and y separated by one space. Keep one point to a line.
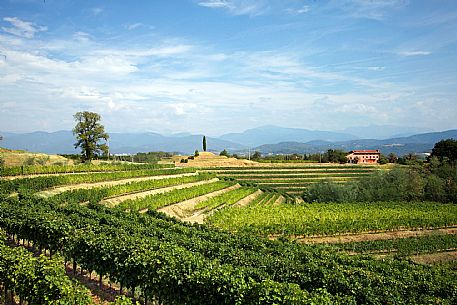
303 10
376 68
171 84
181 109
215 4
238 7
294 11
372 9
414 53
22 28
97 10
81 36
134 26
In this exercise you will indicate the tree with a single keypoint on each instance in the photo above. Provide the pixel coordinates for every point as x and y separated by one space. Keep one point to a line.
383 159
204 143
392 158
335 156
445 150
256 156
196 153
224 153
89 132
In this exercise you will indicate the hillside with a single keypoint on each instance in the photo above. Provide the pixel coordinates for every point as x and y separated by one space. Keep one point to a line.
62 142
19 157
403 145
274 134
267 139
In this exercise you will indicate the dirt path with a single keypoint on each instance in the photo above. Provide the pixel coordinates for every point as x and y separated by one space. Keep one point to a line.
201 215
54 174
65 188
111 202
373 236
248 199
185 210
279 201
434 258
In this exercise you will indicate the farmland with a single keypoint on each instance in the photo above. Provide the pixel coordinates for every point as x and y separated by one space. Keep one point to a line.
331 219
109 220
293 178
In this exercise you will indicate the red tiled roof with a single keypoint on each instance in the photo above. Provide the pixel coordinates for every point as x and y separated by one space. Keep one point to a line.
366 151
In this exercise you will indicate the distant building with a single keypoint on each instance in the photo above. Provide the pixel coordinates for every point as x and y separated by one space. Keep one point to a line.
363 156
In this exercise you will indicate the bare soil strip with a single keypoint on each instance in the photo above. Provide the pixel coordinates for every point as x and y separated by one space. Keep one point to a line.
434 258
248 199
298 171
54 174
62 189
280 200
349 238
201 215
113 201
266 179
185 210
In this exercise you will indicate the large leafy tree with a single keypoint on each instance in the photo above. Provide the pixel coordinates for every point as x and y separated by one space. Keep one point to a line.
89 133
445 150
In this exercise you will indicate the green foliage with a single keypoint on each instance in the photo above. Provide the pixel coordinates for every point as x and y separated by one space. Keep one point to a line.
227 198
256 156
193 264
97 194
196 154
404 246
123 300
445 150
294 178
45 182
38 280
151 157
334 156
392 158
89 132
334 218
204 143
80 168
224 153
159 200
383 159
411 183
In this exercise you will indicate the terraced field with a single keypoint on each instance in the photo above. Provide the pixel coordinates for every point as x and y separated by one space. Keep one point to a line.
115 214
293 178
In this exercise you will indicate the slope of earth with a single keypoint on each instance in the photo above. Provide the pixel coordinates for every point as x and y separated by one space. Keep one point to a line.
20 158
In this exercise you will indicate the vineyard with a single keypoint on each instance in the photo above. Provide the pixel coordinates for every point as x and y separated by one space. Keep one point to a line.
109 220
331 219
293 179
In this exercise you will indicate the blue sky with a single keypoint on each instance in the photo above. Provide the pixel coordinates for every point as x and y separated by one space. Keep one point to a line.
217 66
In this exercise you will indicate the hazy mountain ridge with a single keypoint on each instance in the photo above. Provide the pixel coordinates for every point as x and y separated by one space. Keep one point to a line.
63 142
269 134
403 145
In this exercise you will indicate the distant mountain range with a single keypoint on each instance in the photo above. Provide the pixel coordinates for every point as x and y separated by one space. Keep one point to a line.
273 134
402 145
266 139
62 142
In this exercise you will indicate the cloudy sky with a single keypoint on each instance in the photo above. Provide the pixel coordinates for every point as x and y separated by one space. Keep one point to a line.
216 66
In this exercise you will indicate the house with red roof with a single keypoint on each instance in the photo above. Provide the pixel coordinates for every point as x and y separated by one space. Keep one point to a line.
365 156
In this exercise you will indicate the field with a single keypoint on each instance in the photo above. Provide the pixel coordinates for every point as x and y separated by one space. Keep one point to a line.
232 236
292 178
